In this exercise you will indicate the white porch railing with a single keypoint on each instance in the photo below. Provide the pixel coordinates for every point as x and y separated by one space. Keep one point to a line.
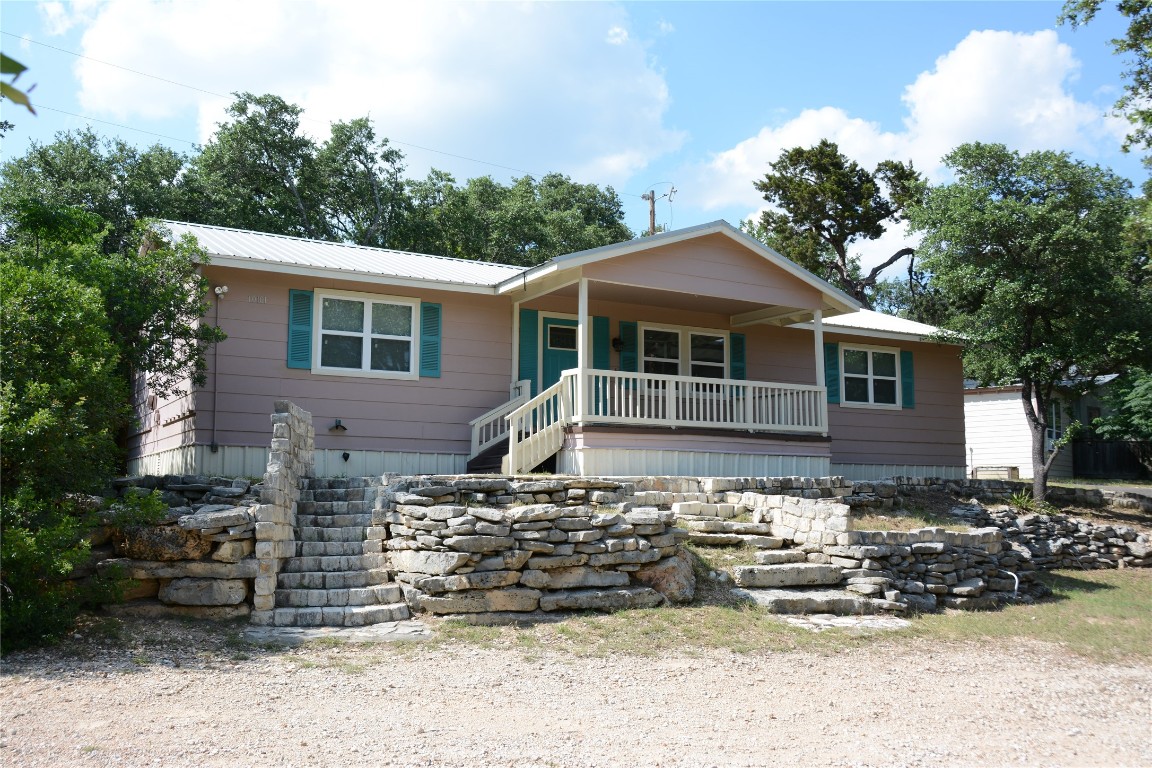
646 399
492 427
537 427
616 397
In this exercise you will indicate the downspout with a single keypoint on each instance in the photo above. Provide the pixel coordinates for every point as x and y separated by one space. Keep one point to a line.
219 290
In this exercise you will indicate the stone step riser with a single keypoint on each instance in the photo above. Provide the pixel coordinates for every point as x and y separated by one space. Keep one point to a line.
336 580
339 534
329 548
335 616
333 521
331 564
313 598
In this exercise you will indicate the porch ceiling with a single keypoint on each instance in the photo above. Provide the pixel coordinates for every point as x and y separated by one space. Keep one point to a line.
740 312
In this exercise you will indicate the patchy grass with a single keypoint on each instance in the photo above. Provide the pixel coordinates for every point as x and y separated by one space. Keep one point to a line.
715 557
905 520
1099 614
1102 615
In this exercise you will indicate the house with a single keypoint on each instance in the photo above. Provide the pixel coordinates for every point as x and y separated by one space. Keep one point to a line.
998 441
694 352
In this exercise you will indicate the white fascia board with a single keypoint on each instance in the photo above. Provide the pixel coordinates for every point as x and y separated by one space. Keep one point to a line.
256 265
871 334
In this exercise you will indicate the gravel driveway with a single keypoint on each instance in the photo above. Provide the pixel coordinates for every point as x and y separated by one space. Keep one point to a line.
172 694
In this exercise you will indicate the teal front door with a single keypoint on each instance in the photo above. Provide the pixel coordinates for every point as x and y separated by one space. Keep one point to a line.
559 349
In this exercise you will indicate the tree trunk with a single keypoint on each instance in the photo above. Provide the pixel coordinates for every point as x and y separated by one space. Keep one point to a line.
1036 412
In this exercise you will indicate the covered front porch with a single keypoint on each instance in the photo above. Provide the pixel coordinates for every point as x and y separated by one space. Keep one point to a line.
657 347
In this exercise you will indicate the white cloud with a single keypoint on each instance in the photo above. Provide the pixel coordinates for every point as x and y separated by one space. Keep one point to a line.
617 36
993 86
530 86
665 27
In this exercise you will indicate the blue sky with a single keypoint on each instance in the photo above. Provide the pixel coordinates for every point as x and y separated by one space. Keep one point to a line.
639 96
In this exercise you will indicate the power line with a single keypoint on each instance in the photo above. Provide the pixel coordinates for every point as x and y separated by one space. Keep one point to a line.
229 96
117 125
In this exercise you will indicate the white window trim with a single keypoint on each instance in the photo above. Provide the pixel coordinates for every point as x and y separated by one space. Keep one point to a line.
844 401
685 345
318 297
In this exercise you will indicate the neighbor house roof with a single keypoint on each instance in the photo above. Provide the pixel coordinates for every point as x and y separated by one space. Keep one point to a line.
876 325
242 249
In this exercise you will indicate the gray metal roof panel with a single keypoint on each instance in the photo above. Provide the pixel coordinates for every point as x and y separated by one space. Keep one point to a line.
265 251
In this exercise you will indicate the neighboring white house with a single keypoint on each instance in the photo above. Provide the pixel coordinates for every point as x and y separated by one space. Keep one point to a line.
997 440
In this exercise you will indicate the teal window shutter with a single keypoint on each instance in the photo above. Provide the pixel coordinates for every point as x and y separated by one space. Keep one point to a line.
832 371
630 354
299 329
907 380
601 344
529 347
430 334
737 367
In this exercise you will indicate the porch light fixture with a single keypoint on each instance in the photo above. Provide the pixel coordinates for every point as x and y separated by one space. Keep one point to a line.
337 427
345 455
618 344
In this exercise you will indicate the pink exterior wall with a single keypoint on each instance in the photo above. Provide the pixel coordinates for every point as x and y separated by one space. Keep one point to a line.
709 266
428 415
930 434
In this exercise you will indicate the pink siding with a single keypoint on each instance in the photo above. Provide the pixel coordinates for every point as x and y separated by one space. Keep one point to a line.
932 433
424 415
709 266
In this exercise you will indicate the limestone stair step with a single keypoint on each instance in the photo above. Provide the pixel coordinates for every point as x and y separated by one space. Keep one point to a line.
335 521
329 548
734 540
809 601
787 575
340 616
378 594
332 563
332 579
780 557
334 533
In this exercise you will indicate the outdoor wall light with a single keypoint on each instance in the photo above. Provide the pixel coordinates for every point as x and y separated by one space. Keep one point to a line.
337 427
345 455
618 344
220 290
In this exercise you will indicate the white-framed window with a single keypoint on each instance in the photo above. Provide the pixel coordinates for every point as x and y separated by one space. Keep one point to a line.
362 334
870 376
562 337
695 352
1055 429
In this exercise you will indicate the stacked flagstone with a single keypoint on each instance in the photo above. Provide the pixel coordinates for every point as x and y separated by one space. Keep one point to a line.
472 545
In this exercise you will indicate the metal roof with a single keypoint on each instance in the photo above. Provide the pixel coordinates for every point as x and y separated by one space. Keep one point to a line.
294 255
877 325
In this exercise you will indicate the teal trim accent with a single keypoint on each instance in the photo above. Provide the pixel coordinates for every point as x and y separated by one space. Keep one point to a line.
738 369
299 329
430 333
630 354
529 365
601 344
907 380
832 372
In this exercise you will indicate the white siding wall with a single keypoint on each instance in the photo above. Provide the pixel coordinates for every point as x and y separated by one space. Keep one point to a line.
996 434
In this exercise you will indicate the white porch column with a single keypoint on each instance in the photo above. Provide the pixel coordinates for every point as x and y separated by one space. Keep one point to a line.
582 328
818 335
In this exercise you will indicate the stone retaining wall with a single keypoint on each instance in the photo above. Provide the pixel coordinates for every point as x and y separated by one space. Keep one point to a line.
197 561
478 545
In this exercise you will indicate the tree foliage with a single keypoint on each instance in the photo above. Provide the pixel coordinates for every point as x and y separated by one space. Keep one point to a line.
1031 251
824 203
1136 102
1129 399
106 177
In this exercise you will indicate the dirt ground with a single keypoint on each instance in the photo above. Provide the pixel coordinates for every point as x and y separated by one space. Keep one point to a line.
184 694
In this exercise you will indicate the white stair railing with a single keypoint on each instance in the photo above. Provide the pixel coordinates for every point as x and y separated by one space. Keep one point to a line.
492 427
536 428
